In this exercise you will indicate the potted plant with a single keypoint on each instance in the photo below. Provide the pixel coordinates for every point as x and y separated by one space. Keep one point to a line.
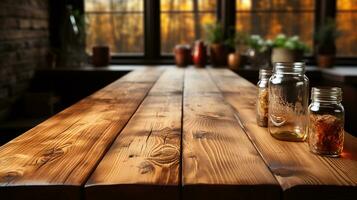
326 48
237 58
288 49
217 49
259 51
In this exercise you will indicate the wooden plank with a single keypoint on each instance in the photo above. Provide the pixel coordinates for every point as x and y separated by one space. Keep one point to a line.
300 173
144 160
198 81
219 161
146 74
171 82
54 159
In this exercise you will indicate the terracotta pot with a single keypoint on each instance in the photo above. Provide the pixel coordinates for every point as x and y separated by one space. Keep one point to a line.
101 56
286 55
235 61
218 55
182 55
199 56
325 61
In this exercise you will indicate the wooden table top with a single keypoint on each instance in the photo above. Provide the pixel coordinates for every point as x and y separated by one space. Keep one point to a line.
169 133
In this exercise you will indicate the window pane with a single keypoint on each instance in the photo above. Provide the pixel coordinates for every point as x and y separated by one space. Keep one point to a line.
347 19
179 28
207 5
116 23
269 25
287 5
347 5
183 21
171 5
114 5
123 33
270 18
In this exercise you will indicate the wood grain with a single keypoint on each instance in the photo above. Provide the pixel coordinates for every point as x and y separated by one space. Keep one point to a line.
225 155
54 159
145 74
170 82
301 174
219 161
144 160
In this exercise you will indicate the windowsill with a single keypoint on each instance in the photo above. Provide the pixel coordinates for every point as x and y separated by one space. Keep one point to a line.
168 59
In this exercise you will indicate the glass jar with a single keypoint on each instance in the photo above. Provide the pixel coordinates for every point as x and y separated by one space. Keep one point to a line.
326 121
288 102
263 97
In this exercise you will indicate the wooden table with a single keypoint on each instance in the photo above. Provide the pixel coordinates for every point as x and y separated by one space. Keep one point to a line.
169 133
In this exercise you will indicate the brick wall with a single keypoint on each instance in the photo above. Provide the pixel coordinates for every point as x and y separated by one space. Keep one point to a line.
24 43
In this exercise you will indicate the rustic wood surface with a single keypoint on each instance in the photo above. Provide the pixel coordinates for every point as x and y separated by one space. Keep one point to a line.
61 153
169 133
144 160
219 161
301 174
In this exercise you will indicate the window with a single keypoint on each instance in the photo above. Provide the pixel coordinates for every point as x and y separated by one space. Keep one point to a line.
183 21
346 19
269 18
116 23
120 23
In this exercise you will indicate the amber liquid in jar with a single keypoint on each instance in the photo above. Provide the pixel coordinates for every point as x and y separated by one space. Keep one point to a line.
263 97
326 122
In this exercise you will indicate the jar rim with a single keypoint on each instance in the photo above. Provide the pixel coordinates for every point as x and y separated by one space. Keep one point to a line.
289 67
323 93
265 71
290 64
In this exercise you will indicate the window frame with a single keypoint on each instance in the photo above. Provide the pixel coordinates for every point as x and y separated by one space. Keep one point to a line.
226 14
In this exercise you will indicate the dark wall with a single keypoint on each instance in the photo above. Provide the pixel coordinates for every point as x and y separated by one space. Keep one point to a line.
24 43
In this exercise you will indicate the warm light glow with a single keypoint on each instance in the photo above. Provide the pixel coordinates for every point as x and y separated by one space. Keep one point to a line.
346 4
267 22
244 4
346 19
124 31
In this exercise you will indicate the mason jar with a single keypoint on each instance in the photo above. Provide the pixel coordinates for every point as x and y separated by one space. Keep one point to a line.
263 97
326 121
288 102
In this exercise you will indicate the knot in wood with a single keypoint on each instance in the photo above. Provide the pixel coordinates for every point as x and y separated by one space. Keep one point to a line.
146 167
11 175
167 154
201 135
49 155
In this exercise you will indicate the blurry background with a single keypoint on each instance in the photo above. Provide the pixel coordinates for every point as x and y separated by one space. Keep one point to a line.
120 23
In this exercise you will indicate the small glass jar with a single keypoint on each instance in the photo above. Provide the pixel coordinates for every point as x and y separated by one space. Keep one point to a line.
263 97
288 102
326 121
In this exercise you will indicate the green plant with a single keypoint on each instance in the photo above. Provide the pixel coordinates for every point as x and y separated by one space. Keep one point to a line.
257 43
214 33
235 40
291 43
325 37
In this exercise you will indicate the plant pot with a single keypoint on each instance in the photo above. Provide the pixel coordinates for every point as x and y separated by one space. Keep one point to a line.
101 56
218 55
182 55
199 54
325 61
235 61
286 55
